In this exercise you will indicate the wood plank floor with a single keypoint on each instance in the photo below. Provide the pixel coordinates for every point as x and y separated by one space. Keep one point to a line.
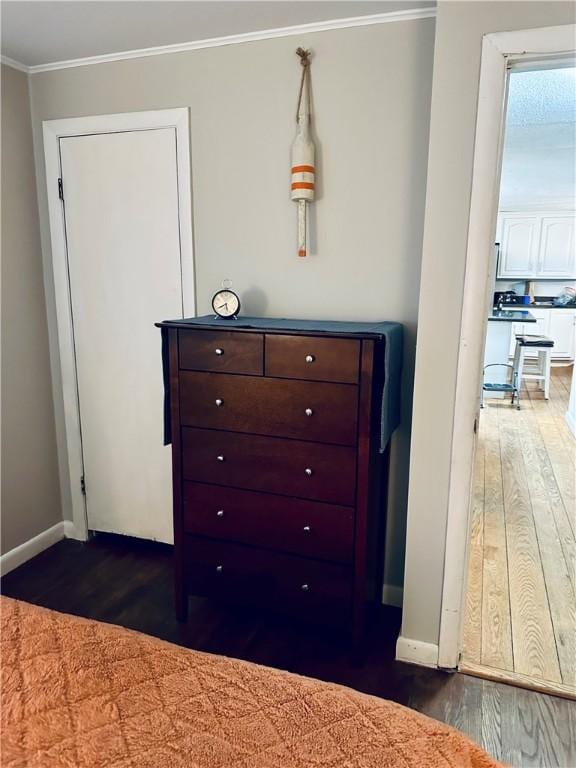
520 621
129 582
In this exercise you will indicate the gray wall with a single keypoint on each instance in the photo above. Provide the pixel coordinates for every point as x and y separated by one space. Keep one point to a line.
459 30
30 495
371 97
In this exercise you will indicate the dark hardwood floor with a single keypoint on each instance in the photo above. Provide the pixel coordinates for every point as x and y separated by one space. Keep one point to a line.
129 582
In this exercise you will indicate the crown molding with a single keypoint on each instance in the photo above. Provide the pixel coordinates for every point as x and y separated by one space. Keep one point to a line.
410 14
14 64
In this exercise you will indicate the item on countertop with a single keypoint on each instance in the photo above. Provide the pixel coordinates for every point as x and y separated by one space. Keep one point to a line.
530 290
225 302
502 298
303 170
565 297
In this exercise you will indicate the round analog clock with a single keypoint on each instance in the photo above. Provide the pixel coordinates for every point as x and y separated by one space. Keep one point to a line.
226 303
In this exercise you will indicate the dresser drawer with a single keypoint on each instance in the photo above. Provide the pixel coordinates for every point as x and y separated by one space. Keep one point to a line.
232 571
225 351
307 528
313 357
308 410
290 467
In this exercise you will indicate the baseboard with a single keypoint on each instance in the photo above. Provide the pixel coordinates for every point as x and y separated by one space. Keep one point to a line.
21 554
416 652
71 532
392 595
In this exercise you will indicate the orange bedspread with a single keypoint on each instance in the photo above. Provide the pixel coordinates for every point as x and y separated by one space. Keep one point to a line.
77 692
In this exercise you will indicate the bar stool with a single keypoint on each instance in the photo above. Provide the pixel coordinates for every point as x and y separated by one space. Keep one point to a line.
527 345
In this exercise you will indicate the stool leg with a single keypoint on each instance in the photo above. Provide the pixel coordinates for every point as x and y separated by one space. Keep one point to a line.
542 369
519 371
547 367
516 356
515 375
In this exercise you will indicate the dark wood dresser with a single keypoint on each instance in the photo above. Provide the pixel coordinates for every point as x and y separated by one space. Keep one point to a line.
277 472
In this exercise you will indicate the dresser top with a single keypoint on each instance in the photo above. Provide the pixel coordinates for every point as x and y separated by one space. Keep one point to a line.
365 330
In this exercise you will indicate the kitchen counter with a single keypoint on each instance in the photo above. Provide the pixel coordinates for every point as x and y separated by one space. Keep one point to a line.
536 305
511 316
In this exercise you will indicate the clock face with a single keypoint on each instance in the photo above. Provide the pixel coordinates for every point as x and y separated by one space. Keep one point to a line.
225 303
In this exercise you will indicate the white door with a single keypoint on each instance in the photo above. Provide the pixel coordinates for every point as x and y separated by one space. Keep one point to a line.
518 246
121 212
557 256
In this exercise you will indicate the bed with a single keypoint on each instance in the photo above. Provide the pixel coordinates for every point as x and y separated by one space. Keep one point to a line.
76 692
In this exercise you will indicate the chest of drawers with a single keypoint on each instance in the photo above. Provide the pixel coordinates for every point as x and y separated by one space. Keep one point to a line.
277 473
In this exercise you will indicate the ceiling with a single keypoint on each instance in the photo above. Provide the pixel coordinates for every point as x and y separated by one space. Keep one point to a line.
541 113
42 32
542 97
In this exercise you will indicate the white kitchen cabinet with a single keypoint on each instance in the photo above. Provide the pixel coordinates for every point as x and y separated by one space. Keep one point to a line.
562 329
519 237
536 245
557 256
558 324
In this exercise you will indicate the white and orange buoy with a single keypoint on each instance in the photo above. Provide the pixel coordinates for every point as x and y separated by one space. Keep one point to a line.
303 170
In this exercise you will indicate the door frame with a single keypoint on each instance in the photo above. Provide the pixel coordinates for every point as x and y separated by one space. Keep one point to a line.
498 51
53 131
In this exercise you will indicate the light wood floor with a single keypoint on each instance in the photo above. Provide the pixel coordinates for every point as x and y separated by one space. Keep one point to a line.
520 621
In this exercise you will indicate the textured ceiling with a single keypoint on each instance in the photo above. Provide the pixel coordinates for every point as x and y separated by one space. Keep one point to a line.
542 97
41 32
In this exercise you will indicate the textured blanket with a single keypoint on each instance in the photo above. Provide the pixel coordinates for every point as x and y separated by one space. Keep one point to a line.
77 692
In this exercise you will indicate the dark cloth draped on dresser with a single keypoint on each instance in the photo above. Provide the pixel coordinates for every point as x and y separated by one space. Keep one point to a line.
390 334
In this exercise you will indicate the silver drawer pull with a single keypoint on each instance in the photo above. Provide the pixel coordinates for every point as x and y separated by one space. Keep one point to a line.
310 358
308 471
219 351
306 529
308 411
219 402
219 568
220 513
220 458
305 588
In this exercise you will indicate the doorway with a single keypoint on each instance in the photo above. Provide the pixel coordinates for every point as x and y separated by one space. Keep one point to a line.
519 622
120 216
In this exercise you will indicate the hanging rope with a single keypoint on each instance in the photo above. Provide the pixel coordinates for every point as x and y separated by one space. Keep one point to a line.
305 62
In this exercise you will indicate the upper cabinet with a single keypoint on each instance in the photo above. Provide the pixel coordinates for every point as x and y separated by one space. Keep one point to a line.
557 254
536 245
518 245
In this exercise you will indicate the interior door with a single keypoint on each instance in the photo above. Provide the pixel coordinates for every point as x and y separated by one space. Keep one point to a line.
121 217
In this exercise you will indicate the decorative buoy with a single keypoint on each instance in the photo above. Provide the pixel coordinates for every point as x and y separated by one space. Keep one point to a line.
303 171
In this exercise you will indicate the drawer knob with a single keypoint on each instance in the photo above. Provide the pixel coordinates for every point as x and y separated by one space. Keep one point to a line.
308 411
220 458
308 471
219 568
305 588
310 358
219 402
220 513
306 529
219 351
